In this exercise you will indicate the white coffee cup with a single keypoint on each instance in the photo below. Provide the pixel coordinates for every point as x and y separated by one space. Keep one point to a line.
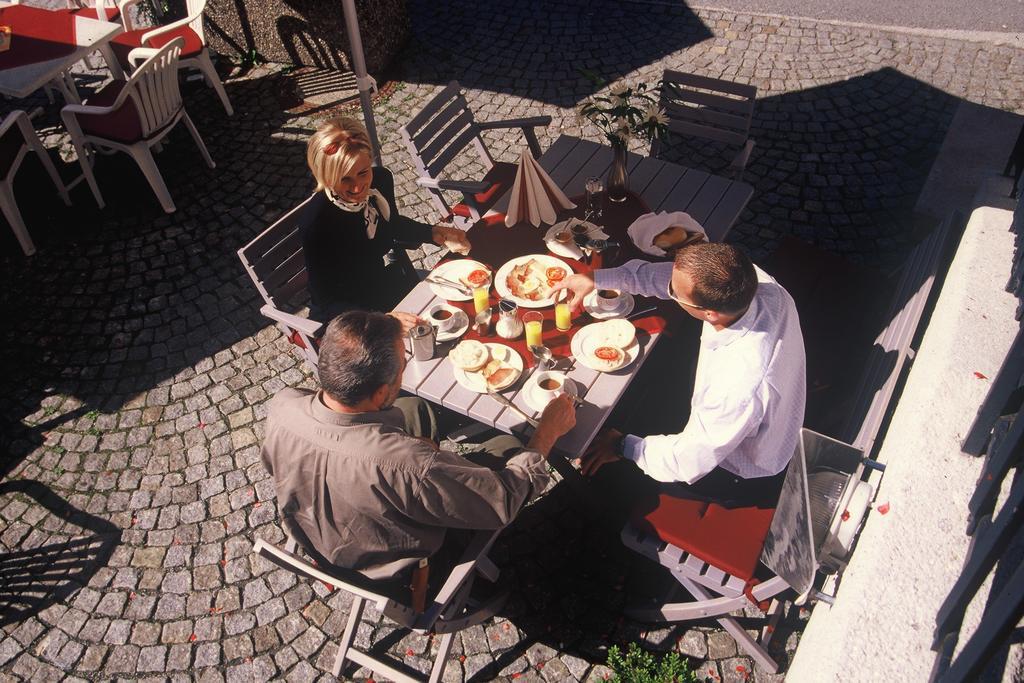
550 384
608 299
443 317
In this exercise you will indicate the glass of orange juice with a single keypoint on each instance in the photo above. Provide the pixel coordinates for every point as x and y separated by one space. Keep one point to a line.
482 295
534 323
563 314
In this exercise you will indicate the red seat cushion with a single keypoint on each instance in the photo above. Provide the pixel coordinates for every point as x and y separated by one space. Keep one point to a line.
728 538
90 13
129 40
501 177
123 124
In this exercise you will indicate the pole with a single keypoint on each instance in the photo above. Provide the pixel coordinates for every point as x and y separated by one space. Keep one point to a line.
364 82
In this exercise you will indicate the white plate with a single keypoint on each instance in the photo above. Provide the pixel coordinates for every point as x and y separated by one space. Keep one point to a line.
625 307
501 277
474 381
459 328
584 343
533 397
453 270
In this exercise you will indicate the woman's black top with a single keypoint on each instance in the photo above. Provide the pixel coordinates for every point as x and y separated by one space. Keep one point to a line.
348 270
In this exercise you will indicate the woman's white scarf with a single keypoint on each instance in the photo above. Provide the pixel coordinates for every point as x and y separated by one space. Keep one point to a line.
370 209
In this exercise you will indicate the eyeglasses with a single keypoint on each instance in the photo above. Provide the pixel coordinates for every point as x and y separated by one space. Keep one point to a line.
686 304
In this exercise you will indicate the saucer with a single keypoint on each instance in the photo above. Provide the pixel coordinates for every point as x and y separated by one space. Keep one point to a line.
461 325
597 313
533 397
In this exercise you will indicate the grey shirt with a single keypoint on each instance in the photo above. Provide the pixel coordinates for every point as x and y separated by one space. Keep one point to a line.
369 496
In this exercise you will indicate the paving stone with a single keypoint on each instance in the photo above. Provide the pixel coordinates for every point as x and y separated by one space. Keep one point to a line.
157 365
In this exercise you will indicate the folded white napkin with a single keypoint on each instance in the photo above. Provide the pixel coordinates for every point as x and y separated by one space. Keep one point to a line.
650 225
535 196
569 249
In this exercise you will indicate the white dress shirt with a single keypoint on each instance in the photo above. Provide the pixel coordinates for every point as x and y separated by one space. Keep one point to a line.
749 392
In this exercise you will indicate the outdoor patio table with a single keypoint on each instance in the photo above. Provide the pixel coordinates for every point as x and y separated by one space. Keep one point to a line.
46 43
714 201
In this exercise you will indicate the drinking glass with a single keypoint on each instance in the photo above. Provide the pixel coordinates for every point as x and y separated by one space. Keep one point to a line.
563 314
482 296
534 322
595 190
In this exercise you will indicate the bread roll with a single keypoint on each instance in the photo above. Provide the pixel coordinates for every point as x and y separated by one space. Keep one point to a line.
469 355
616 332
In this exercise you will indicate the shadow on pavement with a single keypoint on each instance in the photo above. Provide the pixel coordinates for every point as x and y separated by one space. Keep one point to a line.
35 578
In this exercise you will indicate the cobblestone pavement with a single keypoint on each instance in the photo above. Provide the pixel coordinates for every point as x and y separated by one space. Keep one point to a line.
136 368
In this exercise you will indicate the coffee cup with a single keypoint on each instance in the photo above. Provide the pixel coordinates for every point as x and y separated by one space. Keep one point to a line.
443 317
607 299
550 385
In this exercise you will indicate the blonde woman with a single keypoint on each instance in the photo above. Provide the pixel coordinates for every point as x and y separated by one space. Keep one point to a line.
353 236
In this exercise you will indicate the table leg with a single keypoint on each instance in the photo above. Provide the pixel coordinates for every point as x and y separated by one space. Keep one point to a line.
108 56
66 84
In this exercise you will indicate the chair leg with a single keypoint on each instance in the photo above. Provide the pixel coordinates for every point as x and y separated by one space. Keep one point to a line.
213 80
199 140
83 158
10 210
44 158
441 660
147 164
355 613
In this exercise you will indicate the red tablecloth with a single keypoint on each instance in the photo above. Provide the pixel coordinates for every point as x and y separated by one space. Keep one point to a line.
37 35
494 244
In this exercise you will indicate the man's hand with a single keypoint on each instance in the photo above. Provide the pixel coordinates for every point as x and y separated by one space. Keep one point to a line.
579 285
408 320
558 418
602 451
451 237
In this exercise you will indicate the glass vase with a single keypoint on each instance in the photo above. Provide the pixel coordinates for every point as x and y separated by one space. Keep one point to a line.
617 182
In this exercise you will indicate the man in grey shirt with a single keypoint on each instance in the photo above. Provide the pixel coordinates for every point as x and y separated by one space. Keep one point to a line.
360 479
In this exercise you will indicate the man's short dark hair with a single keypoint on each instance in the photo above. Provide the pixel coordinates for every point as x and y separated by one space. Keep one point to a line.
358 355
723 277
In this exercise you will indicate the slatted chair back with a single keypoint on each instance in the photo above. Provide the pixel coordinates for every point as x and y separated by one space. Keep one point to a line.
449 612
709 108
443 129
276 264
153 86
195 15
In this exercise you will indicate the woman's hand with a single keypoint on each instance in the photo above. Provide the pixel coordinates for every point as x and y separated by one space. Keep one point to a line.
408 320
451 237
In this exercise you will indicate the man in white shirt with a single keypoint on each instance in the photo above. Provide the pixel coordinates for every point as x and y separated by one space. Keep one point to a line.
750 387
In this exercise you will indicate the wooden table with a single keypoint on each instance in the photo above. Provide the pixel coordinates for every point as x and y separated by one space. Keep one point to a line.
656 185
46 43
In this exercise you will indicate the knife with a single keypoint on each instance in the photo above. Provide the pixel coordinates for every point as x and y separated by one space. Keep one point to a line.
509 404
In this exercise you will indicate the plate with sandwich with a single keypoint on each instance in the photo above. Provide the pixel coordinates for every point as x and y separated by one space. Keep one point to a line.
606 346
529 280
465 272
483 367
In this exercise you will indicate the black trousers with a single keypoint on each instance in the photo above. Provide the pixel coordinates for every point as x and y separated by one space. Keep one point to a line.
620 490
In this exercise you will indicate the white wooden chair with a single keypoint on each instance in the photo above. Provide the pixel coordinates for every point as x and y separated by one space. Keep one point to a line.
18 138
133 116
451 610
439 132
709 108
194 53
727 558
276 263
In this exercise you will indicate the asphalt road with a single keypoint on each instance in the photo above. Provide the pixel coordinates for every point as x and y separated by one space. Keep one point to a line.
965 15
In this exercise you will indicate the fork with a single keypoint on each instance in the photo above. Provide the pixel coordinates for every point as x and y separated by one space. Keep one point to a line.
445 282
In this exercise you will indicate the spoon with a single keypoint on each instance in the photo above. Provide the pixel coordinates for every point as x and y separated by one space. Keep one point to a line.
542 354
